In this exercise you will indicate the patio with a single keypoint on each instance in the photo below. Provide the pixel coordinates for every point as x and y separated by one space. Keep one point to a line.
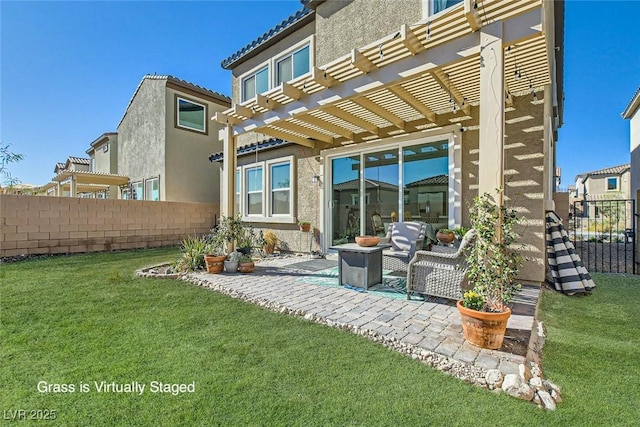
428 330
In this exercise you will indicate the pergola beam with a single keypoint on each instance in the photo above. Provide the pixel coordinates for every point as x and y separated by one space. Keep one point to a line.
287 137
305 131
361 62
344 115
323 78
414 102
410 40
291 91
371 106
471 13
241 110
266 102
456 96
316 121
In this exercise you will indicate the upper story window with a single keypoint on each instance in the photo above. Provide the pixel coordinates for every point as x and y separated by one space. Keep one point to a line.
436 6
191 115
291 63
292 66
612 183
255 83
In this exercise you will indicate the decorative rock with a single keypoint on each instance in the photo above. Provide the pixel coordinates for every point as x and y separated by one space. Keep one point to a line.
525 372
494 378
515 386
550 386
556 396
536 382
547 400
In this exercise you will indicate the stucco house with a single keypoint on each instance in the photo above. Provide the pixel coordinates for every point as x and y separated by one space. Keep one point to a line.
164 139
631 113
95 176
613 183
433 102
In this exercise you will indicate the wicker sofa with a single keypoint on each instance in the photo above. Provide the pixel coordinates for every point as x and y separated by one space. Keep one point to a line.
438 273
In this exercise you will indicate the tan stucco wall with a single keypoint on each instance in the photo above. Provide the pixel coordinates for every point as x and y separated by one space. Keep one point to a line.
141 135
597 186
561 201
345 25
50 225
189 175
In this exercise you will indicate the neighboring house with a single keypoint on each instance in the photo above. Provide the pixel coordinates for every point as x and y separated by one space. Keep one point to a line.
93 177
164 139
433 101
612 183
631 113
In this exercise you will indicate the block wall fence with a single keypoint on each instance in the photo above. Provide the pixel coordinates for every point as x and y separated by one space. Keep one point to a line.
49 225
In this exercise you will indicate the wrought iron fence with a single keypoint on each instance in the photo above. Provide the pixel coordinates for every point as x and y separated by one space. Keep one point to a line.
604 234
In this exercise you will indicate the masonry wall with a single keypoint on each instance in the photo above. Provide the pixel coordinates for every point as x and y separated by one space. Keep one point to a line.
51 225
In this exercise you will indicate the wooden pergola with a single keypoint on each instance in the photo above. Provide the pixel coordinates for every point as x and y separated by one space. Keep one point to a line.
422 76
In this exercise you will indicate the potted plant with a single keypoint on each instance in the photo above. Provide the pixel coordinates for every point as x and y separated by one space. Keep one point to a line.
445 235
492 266
215 252
230 228
305 226
232 262
245 240
460 232
270 241
246 264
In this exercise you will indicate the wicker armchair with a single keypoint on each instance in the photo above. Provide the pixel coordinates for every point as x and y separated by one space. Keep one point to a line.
439 274
405 239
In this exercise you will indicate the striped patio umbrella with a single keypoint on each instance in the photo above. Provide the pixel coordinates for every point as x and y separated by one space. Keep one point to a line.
569 274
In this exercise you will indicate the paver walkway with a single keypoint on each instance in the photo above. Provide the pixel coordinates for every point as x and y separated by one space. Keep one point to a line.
432 326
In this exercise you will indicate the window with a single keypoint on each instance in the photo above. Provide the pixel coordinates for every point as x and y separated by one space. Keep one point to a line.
255 84
253 201
152 189
280 188
191 115
612 183
440 5
93 164
125 195
137 191
105 148
293 65
265 191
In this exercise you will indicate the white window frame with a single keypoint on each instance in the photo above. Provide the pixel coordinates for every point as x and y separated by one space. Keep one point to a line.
431 8
266 215
149 181
191 101
306 44
246 192
271 65
606 183
135 186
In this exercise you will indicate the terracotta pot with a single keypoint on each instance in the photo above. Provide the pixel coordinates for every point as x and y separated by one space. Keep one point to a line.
246 267
215 264
445 237
367 241
305 227
484 329
269 248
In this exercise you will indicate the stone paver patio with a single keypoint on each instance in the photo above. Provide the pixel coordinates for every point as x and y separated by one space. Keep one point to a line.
427 330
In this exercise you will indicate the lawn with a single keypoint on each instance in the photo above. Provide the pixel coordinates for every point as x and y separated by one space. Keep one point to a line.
82 319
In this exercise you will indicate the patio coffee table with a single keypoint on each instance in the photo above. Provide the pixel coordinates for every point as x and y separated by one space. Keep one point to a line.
360 266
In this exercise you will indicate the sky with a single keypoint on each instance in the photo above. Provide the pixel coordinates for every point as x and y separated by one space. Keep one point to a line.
69 69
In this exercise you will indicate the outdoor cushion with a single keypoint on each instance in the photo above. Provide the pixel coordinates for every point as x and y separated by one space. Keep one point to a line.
404 234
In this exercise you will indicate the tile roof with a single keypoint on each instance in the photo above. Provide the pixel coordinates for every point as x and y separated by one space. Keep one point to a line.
301 17
79 160
632 106
177 81
614 170
433 180
251 148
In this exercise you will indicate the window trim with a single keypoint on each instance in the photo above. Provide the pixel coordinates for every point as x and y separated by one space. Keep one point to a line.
617 178
267 216
146 181
177 124
284 56
431 7
255 71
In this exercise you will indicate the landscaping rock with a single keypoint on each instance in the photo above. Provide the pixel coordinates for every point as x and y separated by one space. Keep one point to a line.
525 372
547 400
515 386
494 379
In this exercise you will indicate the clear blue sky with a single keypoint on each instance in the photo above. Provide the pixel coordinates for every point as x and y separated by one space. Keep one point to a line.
70 68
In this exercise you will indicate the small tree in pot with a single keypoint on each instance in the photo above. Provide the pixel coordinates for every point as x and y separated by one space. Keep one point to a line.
492 266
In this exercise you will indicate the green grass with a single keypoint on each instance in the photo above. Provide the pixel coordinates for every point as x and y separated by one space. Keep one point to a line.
86 318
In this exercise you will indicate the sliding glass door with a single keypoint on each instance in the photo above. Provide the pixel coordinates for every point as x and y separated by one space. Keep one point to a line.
403 181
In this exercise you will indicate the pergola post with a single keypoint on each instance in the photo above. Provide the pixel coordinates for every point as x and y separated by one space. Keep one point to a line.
229 161
491 156
72 186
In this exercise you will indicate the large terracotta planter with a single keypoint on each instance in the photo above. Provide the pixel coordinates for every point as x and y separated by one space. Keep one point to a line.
484 329
215 264
269 248
367 241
